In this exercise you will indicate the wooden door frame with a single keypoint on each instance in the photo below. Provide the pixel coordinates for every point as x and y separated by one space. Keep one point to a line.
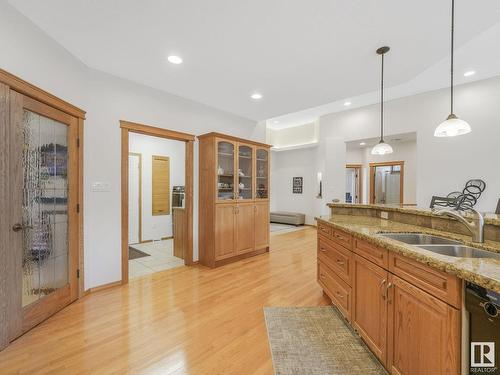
359 168
10 82
401 163
139 155
132 127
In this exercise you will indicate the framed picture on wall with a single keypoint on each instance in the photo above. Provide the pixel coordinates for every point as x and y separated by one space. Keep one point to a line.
297 185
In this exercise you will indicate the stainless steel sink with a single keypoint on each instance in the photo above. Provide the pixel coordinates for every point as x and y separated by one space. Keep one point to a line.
440 245
419 239
461 251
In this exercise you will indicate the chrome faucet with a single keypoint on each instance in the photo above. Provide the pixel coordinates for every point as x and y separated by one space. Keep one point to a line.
476 227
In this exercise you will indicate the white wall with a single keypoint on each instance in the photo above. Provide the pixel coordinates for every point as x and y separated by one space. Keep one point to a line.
406 151
33 56
437 165
115 99
157 227
294 136
443 164
284 166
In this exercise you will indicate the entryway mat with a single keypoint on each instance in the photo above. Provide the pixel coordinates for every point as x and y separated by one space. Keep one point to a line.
316 341
133 253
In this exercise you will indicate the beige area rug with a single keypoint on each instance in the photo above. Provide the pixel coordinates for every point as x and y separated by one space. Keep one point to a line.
316 341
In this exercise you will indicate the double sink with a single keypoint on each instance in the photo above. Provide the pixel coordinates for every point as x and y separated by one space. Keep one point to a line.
440 245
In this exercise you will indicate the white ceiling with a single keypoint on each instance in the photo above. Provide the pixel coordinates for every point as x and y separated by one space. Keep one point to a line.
298 54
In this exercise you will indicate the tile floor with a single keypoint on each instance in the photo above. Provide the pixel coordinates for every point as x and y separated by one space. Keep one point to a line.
161 258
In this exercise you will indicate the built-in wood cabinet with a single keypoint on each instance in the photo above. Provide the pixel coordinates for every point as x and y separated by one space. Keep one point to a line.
233 198
225 231
245 221
406 312
423 332
261 224
369 310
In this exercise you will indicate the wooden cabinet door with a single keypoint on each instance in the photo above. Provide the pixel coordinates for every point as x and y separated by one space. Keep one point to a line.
261 225
225 170
245 219
225 231
369 312
423 334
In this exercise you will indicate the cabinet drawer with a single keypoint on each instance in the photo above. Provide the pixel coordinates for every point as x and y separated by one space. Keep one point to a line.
336 257
342 238
447 288
325 229
339 292
371 252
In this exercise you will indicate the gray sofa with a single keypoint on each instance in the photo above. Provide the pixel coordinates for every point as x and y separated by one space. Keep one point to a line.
292 218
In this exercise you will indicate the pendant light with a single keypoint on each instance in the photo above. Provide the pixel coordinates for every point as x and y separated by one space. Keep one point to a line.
382 148
452 126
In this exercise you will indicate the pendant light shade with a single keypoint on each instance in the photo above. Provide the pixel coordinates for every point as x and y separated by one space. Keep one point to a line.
382 148
452 126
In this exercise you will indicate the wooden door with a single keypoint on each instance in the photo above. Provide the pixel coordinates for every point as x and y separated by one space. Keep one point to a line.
261 225
369 313
225 231
245 219
226 170
423 334
44 194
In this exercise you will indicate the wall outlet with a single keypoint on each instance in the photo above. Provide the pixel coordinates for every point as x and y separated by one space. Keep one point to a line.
100 187
384 215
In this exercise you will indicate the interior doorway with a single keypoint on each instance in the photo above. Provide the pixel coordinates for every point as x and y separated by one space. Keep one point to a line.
157 199
353 183
386 182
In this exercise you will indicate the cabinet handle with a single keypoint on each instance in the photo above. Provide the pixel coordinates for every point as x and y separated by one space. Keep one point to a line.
322 275
322 249
339 294
389 286
382 290
340 263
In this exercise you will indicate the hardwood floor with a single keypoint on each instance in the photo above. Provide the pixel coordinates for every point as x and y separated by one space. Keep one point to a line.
189 320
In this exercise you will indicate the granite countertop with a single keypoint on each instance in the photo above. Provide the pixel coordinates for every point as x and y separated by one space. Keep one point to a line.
482 271
489 218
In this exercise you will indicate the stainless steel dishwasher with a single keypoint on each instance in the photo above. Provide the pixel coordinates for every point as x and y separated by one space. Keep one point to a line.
483 306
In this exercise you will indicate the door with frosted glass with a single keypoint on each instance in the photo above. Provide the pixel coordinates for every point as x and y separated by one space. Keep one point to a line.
386 182
43 172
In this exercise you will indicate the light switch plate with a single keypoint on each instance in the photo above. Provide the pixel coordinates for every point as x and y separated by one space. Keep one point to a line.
384 215
100 187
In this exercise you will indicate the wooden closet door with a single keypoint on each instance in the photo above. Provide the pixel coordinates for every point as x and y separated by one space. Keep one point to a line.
225 231
424 332
369 315
261 225
43 257
245 218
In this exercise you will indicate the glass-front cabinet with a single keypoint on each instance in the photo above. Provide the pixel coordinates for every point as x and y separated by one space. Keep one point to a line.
225 170
245 171
262 174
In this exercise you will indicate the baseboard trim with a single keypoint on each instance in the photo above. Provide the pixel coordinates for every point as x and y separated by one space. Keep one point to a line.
105 286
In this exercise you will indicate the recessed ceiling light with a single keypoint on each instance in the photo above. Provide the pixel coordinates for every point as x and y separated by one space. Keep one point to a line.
362 143
174 59
469 73
256 96
276 122
347 104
